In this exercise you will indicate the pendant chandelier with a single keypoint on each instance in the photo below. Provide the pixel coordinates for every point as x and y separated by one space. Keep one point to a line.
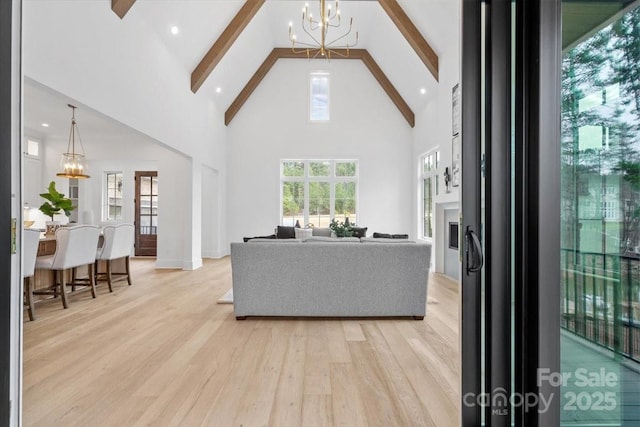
73 163
318 41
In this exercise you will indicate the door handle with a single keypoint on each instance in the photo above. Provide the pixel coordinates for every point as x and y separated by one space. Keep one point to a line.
473 249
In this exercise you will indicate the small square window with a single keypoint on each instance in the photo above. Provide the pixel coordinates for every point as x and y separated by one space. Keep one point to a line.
33 148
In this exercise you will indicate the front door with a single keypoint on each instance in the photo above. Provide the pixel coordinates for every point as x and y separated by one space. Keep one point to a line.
146 222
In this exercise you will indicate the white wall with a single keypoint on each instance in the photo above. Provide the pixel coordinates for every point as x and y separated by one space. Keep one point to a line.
212 233
434 123
365 125
123 70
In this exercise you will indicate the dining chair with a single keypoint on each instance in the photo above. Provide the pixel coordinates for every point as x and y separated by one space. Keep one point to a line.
118 241
75 247
30 242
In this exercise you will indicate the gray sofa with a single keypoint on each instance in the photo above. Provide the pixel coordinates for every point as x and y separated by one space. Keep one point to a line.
324 277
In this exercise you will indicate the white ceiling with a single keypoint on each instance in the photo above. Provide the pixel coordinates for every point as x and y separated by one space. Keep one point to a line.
201 22
44 105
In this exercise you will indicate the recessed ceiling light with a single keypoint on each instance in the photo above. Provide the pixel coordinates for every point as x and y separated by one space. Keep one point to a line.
45 125
175 30
218 89
423 91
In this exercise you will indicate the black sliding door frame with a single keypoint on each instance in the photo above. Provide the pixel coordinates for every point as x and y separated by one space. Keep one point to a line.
537 205
498 256
521 319
471 293
9 111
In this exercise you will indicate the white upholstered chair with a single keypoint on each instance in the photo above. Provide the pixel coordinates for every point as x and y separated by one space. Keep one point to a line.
118 240
30 242
75 247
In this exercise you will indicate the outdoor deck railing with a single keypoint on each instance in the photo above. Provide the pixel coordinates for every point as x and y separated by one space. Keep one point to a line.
601 301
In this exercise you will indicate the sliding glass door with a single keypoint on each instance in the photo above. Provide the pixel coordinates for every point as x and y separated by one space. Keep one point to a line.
551 211
600 212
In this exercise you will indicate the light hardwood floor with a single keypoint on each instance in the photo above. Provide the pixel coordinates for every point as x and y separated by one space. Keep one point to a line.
162 352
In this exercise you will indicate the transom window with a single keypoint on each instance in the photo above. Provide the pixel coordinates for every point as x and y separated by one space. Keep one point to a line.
430 164
113 199
316 191
319 96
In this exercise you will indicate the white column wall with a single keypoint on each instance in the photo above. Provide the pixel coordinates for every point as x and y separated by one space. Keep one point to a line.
273 125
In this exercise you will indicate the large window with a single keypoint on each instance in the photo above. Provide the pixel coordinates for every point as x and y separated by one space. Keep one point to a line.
319 97
429 179
315 191
113 199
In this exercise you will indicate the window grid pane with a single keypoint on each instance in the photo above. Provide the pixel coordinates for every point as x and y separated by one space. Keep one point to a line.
114 196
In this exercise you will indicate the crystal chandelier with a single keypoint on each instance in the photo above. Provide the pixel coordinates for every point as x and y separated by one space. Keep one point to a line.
73 164
317 30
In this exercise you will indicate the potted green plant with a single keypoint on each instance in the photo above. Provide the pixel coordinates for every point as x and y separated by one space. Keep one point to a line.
54 204
342 229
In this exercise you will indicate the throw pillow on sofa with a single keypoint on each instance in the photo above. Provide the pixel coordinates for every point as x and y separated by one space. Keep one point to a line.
359 232
390 236
283 232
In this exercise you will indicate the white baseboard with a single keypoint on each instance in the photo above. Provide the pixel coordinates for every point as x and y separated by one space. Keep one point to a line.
192 264
215 255
169 263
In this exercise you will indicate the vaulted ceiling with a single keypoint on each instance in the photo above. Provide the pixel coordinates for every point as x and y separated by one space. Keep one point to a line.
233 38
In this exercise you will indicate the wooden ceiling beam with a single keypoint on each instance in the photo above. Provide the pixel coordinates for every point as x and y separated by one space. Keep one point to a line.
121 7
287 53
224 42
412 35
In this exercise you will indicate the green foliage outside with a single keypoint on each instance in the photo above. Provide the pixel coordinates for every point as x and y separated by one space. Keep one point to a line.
600 145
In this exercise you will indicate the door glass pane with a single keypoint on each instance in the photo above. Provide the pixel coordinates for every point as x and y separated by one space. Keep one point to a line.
145 205
600 212
154 185
145 225
145 185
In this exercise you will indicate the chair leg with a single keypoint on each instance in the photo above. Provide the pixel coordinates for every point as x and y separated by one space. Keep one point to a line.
109 274
128 270
73 279
55 283
28 289
63 289
96 270
92 280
